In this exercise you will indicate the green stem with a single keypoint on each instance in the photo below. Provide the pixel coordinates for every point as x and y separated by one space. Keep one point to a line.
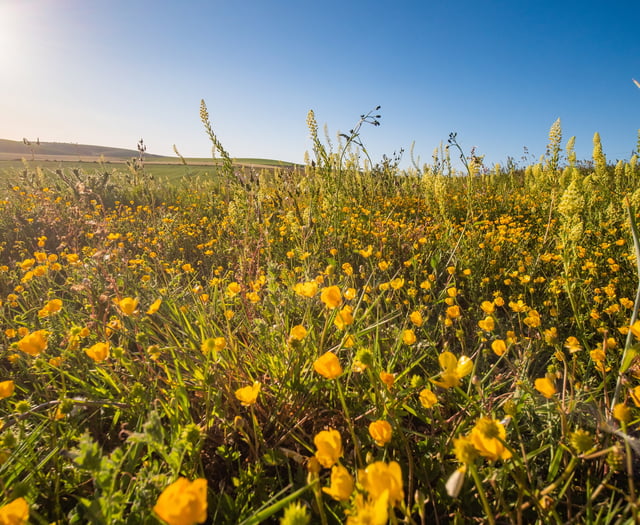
636 306
352 430
483 496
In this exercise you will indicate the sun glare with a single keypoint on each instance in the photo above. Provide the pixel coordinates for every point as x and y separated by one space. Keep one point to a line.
13 35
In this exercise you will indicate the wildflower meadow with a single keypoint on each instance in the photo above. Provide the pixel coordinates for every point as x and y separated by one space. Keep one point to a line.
341 342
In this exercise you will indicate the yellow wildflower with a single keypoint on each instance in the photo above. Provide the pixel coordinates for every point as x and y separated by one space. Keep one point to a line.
416 318
331 297
380 431
533 319
487 307
98 352
154 307
297 333
380 478
635 395
397 283
366 253
344 317
598 356
233 289
248 395
15 513
183 502
427 398
453 312
408 337
622 413
487 324
464 450
6 388
499 347
387 378
329 447
34 343
572 344
487 437
328 365
453 369
127 305
370 511
215 344
545 385
341 484
51 307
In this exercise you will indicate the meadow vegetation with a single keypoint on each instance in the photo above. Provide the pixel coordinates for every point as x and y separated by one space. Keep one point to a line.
343 342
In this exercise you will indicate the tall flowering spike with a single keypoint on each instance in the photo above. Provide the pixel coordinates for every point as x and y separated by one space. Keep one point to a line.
312 125
183 502
599 160
571 152
329 447
554 147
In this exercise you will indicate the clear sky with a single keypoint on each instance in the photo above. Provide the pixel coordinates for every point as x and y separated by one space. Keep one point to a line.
498 73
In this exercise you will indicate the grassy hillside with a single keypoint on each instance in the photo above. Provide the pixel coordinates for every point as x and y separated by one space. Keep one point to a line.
42 150
12 150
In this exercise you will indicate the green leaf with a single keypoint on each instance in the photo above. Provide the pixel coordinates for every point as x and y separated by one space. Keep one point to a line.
629 356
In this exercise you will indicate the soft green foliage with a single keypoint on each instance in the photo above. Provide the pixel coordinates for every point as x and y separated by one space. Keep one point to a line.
480 323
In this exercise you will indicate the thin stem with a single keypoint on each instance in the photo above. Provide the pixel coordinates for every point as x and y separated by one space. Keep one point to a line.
483 496
636 306
352 430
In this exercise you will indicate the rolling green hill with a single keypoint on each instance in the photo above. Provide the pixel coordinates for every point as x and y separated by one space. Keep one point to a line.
13 150
18 149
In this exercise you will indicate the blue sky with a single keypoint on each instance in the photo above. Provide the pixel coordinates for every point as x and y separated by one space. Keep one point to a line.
498 73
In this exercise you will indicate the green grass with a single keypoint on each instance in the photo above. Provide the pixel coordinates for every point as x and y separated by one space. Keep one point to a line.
322 343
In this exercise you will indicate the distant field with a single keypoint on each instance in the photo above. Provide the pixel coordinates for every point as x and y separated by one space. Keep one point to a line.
169 168
15 155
